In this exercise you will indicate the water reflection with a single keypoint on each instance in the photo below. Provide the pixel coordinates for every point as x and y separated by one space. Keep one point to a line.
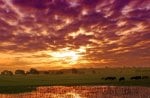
84 92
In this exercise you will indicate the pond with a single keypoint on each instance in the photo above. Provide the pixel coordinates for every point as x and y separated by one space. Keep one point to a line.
82 92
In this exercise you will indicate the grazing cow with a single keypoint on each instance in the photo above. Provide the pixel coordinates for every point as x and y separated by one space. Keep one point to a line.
145 77
103 78
121 78
136 78
110 78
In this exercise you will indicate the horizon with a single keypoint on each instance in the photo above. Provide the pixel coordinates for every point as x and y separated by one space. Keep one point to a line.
63 34
81 68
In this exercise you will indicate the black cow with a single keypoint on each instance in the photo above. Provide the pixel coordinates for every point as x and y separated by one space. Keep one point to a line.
121 78
110 78
145 77
136 78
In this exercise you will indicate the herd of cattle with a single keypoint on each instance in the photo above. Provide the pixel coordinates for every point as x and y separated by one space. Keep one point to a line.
123 78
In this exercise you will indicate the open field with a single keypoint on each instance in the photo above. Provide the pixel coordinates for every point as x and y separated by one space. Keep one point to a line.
82 77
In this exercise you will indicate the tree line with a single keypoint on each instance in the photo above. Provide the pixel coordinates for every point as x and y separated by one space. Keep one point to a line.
35 71
19 71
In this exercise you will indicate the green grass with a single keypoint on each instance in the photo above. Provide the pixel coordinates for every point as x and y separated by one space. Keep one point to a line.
88 78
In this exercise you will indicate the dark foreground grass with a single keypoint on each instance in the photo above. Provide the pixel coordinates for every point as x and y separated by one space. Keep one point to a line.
25 83
16 89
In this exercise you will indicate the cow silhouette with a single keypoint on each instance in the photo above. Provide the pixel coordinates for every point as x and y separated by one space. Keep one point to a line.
145 77
136 78
121 78
110 78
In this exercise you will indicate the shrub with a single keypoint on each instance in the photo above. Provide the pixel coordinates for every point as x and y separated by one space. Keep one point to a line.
6 72
22 72
33 71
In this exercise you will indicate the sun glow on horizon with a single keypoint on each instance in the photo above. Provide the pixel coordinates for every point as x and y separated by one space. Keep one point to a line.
69 57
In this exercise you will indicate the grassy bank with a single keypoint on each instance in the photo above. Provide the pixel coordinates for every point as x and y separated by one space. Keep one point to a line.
16 89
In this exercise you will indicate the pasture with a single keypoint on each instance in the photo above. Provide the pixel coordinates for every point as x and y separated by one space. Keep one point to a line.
82 77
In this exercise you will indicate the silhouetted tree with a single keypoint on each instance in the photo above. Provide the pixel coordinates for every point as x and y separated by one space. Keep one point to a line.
6 72
21 72
44 72
59 72
74 70
33 71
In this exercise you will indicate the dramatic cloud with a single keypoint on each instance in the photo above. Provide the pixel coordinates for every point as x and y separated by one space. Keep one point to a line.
99 32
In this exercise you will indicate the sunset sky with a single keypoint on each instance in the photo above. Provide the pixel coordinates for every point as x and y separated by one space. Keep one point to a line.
54 34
